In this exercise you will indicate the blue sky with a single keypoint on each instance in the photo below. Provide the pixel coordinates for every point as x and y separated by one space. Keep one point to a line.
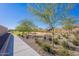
11 14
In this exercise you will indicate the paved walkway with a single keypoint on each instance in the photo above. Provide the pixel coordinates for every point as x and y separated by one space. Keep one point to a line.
22 49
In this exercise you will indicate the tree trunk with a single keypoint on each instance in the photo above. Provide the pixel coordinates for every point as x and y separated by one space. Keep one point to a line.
53 38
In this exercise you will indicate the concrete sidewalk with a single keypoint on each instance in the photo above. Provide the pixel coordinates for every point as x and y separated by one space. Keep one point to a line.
22 49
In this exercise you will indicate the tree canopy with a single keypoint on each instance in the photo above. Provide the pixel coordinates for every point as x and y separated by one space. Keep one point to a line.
25 25
68 23
51 14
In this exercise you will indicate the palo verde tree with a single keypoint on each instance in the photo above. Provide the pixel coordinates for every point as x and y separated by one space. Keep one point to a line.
68 24
25 26
50 14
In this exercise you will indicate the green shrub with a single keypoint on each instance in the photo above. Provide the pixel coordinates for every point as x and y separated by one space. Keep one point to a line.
38 42
75 42
76 35
47 47
18 34
56 41
63 52
59 37
65 45
66 36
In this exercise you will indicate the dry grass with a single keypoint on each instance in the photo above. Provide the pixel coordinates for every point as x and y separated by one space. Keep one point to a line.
63 52
59 40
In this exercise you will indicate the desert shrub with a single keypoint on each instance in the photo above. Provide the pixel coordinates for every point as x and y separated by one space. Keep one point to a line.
75 42
47 47
18 34
76 35
56 41
38 42
59 37
63 52
27 37
66 36
22 35
65 45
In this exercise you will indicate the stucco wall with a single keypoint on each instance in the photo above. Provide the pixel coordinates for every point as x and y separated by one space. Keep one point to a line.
3 30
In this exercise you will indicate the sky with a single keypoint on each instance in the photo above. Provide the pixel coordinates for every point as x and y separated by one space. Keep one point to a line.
12 14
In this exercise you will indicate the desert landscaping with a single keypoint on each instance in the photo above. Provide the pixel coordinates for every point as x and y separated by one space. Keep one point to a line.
63 44
42 29
59 38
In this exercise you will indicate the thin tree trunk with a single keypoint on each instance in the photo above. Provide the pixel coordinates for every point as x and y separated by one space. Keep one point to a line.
53 38
52 41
